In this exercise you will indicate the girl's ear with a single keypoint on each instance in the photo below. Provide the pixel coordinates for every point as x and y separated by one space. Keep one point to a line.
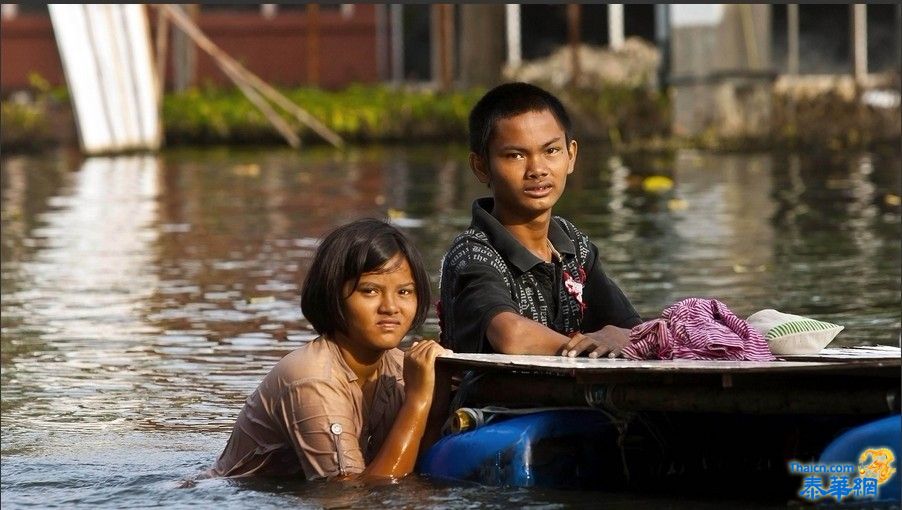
480 168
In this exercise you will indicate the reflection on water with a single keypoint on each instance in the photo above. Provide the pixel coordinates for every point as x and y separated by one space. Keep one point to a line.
144 297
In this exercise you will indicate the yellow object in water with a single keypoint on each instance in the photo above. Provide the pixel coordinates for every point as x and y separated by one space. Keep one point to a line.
657 184
677 204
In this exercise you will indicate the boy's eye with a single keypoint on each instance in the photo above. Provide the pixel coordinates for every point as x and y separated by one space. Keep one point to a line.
513 155
553 150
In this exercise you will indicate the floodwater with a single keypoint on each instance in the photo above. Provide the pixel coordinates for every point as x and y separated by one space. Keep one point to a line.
143 298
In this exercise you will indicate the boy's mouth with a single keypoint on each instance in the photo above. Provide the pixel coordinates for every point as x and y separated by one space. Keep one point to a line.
539 190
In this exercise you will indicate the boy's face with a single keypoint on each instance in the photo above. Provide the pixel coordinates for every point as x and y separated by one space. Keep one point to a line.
528 163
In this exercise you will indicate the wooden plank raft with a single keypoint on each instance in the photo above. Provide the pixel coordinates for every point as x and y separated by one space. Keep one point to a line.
848 381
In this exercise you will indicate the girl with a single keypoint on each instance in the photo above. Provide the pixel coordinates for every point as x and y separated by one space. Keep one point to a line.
349 402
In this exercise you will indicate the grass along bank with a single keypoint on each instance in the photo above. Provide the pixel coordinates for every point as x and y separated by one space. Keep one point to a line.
623 117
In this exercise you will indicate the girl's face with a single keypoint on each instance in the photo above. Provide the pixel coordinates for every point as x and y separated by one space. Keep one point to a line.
381 308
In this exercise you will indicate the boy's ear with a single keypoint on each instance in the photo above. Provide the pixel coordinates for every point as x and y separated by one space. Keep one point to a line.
479 167
571 152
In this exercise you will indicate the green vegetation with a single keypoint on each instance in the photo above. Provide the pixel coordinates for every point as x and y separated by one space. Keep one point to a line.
626 118
358 114
27 117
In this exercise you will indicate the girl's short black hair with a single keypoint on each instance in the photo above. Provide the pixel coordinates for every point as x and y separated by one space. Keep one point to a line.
348 252
507 100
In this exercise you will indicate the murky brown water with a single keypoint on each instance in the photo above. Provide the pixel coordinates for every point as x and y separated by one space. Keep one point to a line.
143 298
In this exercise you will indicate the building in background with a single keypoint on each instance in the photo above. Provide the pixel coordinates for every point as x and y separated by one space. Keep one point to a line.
717 57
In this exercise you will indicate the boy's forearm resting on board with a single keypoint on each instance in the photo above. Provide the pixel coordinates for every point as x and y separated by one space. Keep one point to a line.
511 333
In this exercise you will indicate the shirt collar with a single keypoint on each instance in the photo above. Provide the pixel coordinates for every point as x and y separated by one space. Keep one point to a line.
507 245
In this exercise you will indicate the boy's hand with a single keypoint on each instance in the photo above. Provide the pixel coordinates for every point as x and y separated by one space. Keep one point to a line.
609 340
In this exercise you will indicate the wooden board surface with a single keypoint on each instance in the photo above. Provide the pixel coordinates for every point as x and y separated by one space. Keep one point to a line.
831 359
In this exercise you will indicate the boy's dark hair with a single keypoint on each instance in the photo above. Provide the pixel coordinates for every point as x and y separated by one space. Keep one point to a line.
348 252
507 100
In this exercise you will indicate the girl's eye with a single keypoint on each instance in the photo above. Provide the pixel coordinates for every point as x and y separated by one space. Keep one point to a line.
368 290
405 292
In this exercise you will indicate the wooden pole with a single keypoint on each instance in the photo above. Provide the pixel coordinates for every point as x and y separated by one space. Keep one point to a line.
184 58
574 22
749 37
313 44
162 39
792 39
859 42
246 80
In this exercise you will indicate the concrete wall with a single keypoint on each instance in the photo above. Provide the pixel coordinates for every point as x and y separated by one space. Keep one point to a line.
721 68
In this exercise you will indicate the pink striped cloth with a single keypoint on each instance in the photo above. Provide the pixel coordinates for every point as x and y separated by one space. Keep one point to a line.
697 328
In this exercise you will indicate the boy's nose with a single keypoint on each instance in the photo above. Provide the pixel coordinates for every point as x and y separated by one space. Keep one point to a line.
536 167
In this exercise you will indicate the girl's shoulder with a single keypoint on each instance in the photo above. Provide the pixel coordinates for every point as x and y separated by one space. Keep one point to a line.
313 360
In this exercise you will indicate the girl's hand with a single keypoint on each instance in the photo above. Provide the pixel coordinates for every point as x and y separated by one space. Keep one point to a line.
419 369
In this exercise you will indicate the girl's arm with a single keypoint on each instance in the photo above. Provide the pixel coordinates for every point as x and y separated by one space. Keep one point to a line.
398 454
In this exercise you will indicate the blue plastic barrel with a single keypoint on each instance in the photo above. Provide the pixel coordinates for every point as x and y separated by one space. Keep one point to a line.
558 448
883 433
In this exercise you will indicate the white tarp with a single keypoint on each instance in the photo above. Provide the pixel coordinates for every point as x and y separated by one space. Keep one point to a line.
107 60
691 15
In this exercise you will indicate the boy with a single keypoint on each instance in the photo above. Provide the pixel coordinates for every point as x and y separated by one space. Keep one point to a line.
519 280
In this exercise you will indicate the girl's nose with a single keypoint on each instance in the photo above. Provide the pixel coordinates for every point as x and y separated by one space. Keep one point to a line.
388 304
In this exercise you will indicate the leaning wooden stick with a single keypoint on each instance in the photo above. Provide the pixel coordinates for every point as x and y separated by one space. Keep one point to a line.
240 74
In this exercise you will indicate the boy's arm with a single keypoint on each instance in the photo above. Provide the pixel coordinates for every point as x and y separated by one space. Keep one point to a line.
607 305
511 333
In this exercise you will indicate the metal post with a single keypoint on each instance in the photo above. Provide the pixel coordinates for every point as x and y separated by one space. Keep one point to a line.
381 41
859 42
397 42
512 18
615 26
662 40
898 38
792 39
269 11
313 44
9 11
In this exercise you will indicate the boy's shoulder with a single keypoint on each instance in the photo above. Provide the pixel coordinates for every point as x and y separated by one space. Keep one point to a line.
570 229
471 244
472 247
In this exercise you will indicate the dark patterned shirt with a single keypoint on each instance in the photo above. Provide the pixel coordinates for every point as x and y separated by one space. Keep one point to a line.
487 271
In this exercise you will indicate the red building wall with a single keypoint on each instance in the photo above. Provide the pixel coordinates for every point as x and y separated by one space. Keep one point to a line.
275 49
